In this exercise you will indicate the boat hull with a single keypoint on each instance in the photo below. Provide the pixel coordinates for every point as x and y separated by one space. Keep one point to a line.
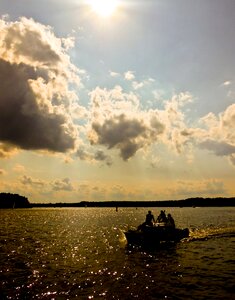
153 236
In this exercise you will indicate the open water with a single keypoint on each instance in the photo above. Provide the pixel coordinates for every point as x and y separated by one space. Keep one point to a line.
80 253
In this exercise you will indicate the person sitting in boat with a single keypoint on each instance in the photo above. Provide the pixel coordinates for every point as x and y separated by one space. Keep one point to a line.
149 221
170 221
162 217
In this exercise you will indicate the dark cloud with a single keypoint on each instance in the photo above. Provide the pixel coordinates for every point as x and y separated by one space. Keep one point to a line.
101 156
62 185
129 149
219 148
82 154
35 99
118 121
126 133
121 133
118 130
22 122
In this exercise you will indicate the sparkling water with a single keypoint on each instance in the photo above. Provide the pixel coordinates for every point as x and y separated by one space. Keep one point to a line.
81 253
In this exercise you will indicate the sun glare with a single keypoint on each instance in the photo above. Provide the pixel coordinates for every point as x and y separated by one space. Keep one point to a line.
104 8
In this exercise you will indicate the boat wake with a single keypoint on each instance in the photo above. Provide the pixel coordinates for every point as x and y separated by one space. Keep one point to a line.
210 233
122 237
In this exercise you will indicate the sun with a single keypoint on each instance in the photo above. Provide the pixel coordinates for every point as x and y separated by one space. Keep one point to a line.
104 8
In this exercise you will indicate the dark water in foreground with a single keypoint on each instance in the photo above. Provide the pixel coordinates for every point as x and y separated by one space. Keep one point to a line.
80 253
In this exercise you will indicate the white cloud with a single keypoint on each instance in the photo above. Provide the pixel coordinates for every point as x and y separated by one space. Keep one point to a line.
114 74
219 134
220 128
140 84
137 85
227 83
129 75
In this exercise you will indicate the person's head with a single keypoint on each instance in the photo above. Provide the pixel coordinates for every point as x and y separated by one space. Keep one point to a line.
169 215
149 212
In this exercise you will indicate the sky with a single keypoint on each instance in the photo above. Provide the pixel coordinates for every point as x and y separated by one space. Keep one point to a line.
117 100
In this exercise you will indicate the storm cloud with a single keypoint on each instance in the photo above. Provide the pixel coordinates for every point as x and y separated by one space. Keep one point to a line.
121 133
34 77
124 133
119 122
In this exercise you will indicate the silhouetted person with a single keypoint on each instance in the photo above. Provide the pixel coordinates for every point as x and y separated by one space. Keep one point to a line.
149 219
170 221
162 217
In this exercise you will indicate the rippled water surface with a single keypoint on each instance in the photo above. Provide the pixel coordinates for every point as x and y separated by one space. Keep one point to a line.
81 253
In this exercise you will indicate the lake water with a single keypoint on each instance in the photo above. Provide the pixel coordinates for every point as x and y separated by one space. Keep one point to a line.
80 253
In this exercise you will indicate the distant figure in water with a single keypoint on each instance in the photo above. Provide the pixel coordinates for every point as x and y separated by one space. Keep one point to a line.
170 221
162 217
149 219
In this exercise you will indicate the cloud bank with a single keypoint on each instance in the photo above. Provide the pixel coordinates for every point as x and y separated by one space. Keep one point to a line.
39 110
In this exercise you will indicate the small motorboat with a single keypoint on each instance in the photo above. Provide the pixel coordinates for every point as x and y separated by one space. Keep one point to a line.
155 235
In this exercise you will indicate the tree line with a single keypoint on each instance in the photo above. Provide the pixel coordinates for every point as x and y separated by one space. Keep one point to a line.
190 202
8 200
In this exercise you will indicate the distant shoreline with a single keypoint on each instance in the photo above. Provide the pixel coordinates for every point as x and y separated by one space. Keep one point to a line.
190 202
8 200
